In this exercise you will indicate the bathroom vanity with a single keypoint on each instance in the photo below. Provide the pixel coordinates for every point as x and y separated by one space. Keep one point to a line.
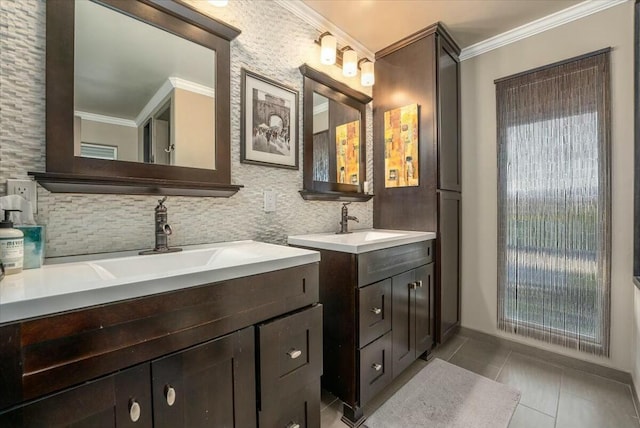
218 335
377 290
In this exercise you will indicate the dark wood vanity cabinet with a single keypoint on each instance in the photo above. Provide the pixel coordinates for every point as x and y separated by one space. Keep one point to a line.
448 270
290 366
106 402
448 109
413 315
378 305
212 384
240 353
424 69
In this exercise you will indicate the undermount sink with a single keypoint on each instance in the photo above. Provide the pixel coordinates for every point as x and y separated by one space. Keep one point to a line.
171 262
374 236
360 241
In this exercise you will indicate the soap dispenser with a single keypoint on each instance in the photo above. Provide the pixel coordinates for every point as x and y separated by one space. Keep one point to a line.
11 245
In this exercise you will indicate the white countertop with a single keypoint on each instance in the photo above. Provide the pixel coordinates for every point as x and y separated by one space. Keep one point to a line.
87 282
360 241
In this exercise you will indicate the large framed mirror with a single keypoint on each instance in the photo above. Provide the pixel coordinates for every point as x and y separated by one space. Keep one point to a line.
334 139
138 99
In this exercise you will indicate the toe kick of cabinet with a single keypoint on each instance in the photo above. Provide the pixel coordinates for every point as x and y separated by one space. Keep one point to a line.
290 358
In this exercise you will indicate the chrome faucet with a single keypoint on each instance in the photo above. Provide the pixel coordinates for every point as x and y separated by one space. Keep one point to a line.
344 222
163 230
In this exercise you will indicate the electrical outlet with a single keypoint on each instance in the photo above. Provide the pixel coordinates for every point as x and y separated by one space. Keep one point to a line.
269 201
24 188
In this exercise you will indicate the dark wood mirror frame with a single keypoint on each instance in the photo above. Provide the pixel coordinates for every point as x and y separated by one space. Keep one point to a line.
316 81
69 173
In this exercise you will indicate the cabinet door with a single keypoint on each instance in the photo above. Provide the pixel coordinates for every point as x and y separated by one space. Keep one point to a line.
403 321
104 403
448 118
208 385
424 308
448 265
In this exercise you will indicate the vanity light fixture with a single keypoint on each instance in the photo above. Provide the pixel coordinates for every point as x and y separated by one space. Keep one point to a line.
367 76
328 46
219 3
349 62
346 57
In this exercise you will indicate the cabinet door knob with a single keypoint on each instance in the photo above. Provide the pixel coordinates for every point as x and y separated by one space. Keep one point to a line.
413 285
134 410
377 367
170 395
294 353
419 284
293 425
376 311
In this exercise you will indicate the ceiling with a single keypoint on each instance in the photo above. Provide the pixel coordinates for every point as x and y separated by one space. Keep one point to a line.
377 24
120 63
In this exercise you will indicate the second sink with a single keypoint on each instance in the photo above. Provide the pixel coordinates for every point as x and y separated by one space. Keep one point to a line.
360 241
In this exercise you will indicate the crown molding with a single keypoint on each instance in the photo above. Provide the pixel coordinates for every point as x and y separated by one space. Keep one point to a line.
161 94
321 108
548 22
165 90
320 23
93 117
187 85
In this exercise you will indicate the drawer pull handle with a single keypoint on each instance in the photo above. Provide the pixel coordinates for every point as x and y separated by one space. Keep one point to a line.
293 425
419 284
376 311
170 395
134 411
377 367
294 353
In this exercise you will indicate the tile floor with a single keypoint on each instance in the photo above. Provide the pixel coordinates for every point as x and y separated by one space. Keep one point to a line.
553 396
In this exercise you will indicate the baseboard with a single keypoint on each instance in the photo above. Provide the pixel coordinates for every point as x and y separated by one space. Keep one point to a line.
554 358
634 392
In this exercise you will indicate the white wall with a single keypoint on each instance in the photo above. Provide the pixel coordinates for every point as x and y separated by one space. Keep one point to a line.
635 370
612 27
193 129
125 138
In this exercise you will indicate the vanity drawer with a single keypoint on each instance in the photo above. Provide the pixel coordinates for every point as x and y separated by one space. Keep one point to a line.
380 264
374 302
300 409
375 368
290 354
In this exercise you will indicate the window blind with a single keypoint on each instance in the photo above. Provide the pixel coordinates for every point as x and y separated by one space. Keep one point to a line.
98 151
554 228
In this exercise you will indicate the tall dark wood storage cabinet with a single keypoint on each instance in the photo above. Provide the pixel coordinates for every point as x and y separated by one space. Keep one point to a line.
424 69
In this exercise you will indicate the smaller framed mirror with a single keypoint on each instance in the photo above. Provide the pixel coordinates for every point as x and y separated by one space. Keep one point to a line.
334 139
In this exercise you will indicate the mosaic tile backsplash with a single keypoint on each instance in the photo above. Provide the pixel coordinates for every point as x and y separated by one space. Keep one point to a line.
84 224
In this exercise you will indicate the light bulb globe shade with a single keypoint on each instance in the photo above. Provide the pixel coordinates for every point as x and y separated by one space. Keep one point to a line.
349 63
219 3
367 77
328 50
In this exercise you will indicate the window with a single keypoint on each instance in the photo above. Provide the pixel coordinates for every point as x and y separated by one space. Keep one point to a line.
554 203
98 151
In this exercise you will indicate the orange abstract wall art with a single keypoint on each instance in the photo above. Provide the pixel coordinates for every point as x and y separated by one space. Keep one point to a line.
348 152
401 147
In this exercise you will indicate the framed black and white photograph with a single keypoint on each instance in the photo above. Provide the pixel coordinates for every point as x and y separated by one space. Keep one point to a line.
269 133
